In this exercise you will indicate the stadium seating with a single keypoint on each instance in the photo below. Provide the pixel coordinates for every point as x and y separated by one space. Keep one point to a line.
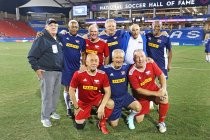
12 28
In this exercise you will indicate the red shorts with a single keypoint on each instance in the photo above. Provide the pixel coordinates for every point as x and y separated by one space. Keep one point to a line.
145 103
86 108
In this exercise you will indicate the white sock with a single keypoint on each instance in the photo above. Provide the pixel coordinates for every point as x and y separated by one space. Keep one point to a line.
66 99
208 58
132 114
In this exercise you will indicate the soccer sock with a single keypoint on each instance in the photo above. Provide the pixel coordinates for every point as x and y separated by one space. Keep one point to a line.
208 58
163 109
107 113
132 114
66 99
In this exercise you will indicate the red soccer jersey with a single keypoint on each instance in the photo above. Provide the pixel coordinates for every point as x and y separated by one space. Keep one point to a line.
100 48
89 87
145 80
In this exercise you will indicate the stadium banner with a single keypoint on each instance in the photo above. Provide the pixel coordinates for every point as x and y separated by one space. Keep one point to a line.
187 37
142 4
16 39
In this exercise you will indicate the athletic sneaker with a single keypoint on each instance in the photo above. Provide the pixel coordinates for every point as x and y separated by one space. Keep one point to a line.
69 113
130 122
46 123
102 127
55 116
162 127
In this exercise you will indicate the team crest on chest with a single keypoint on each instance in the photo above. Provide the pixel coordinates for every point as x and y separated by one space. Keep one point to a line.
96 46
67 38
123 72
111 74
148 72
159 41
115 37
96 81
84 80
77 41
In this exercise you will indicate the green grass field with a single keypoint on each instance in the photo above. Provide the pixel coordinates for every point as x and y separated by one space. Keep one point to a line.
188 117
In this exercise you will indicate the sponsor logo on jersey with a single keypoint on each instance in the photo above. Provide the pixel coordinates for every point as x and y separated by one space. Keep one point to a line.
67 38
91 51
72 46
115 37
96 46
112 43
89 87
153 45
111 74
146 81
116 81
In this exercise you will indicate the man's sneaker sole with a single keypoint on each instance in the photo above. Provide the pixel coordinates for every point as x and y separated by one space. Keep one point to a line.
45 125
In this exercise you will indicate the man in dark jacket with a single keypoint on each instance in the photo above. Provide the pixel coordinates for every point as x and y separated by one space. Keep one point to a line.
46 59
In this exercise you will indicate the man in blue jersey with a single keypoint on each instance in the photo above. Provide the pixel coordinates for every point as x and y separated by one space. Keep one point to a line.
116 39
159 47
117 72
73 50
207 50
136 41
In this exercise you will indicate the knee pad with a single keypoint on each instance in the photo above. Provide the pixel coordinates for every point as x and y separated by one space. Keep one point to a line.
79 126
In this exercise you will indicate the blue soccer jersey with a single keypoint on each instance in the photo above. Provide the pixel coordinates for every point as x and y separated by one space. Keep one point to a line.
157 48
118 41
207 46
118 79
72 48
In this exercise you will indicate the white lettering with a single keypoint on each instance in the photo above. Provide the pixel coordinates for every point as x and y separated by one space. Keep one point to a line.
135 5
170 3
155 4
186 2
176 34
111 7
193 34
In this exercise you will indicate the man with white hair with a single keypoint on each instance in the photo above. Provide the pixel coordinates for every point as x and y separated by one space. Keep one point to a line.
117 72
116 39
73 50
142 77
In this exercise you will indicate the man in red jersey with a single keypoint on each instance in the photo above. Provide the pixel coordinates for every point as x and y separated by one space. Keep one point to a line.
95 45
90 83
142 77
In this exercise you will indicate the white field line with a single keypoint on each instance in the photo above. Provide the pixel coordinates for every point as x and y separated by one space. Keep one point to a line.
191 69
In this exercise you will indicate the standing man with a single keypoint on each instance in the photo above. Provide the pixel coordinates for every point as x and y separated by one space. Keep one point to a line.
116 39
90 84
95 45
207 50
74 58
142 76
117 72
159 47
136 41
46 59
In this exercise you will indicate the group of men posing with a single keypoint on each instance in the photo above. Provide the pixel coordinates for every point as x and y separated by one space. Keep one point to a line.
99 68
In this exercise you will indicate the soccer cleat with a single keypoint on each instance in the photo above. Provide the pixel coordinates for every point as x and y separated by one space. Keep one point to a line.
46 123
69 113
102 127
55 116
162 127
130 122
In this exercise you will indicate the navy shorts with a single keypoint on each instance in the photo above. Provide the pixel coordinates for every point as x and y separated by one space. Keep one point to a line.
66 77
119 103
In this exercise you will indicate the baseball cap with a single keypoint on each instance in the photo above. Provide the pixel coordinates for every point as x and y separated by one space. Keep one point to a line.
51 20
